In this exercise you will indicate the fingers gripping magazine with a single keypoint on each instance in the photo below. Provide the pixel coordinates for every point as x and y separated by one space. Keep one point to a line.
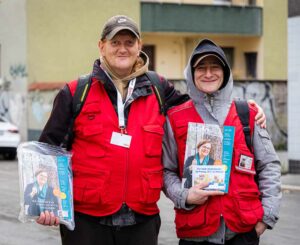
208 156
45 182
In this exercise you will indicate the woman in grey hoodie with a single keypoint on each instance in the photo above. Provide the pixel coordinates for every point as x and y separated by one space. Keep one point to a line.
210 86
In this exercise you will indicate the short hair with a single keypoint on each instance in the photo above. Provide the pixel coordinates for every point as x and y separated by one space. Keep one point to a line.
203 142
40 170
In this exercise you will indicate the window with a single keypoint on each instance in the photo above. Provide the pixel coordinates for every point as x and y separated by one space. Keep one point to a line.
150 51
229 52
252 2
251 59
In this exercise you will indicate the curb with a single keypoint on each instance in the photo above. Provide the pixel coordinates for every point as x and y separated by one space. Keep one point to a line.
290 188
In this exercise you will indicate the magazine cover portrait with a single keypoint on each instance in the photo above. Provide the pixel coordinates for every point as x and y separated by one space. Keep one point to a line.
39 193
208 156
45 182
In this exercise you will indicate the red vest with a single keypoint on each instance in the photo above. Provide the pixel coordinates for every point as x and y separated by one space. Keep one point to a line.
106 175
241 207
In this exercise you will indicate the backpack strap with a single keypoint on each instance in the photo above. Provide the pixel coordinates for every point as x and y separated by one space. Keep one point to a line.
82 89
242 109
158 90
83 86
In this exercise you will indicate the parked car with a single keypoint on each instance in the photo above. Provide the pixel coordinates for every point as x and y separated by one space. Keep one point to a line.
9 139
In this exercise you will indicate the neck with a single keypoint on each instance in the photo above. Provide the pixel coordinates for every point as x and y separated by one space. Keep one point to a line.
122 74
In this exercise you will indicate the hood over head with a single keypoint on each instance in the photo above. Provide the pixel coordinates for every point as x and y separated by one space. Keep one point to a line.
203 49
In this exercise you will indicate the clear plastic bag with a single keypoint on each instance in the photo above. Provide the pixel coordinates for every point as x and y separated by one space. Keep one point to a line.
45 182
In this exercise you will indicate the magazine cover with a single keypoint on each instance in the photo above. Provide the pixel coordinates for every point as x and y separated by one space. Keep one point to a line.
45 182
208 156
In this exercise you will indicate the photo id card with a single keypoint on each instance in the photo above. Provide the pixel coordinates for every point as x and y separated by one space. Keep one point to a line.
123 140
246 164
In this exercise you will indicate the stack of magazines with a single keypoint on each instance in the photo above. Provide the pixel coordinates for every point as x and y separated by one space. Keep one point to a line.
45 182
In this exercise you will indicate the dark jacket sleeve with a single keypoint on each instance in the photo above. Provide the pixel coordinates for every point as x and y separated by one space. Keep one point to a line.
172 96
58 123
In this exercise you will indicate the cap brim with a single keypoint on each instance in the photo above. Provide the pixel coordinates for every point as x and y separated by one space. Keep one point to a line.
206 55
120 28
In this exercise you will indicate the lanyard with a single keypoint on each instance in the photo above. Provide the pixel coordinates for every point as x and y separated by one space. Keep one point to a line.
121 105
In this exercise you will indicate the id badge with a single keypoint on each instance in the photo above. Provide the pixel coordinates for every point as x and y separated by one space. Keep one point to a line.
123 140
246 164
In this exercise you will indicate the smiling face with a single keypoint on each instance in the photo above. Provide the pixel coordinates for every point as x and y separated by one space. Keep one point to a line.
42 178
209 75
204 149
121 52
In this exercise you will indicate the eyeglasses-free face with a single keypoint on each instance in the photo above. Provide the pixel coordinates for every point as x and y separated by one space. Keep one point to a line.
209 75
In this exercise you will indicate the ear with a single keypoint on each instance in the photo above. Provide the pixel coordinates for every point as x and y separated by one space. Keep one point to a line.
101 46
140 45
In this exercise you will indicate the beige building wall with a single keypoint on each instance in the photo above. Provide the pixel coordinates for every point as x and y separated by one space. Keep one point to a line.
63 35
275 39
62 44
271 46
246 2
240 45
170 54
13 69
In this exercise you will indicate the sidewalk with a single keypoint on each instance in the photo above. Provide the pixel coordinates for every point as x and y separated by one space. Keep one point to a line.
289 181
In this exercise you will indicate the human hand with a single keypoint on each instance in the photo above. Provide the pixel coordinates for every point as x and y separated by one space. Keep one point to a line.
196 194
33 192
260 228
260 117
48 218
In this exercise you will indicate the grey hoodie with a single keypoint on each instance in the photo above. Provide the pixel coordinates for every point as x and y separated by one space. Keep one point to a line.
213 109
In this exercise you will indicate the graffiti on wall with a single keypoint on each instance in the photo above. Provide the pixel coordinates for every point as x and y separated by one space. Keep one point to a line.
271 96
12 94
41 106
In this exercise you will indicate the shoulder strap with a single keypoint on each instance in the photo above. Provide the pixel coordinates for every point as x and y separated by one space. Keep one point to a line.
243 113
83 86
158 90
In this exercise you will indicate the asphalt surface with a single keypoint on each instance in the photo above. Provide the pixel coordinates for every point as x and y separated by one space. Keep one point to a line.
13 232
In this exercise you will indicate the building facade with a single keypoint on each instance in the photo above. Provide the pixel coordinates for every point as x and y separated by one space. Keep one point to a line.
294 86
13 64
61 44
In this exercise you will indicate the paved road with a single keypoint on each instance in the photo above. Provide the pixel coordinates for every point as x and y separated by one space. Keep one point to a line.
13 232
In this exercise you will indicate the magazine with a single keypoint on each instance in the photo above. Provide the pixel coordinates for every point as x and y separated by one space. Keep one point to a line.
45 182
208 156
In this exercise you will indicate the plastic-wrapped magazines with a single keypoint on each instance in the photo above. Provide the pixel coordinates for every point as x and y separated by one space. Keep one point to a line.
45 182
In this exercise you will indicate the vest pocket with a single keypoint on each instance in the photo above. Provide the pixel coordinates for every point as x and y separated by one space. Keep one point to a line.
191 219
91 113
181 129
152 183
89 185
248 206
153 135
94 142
